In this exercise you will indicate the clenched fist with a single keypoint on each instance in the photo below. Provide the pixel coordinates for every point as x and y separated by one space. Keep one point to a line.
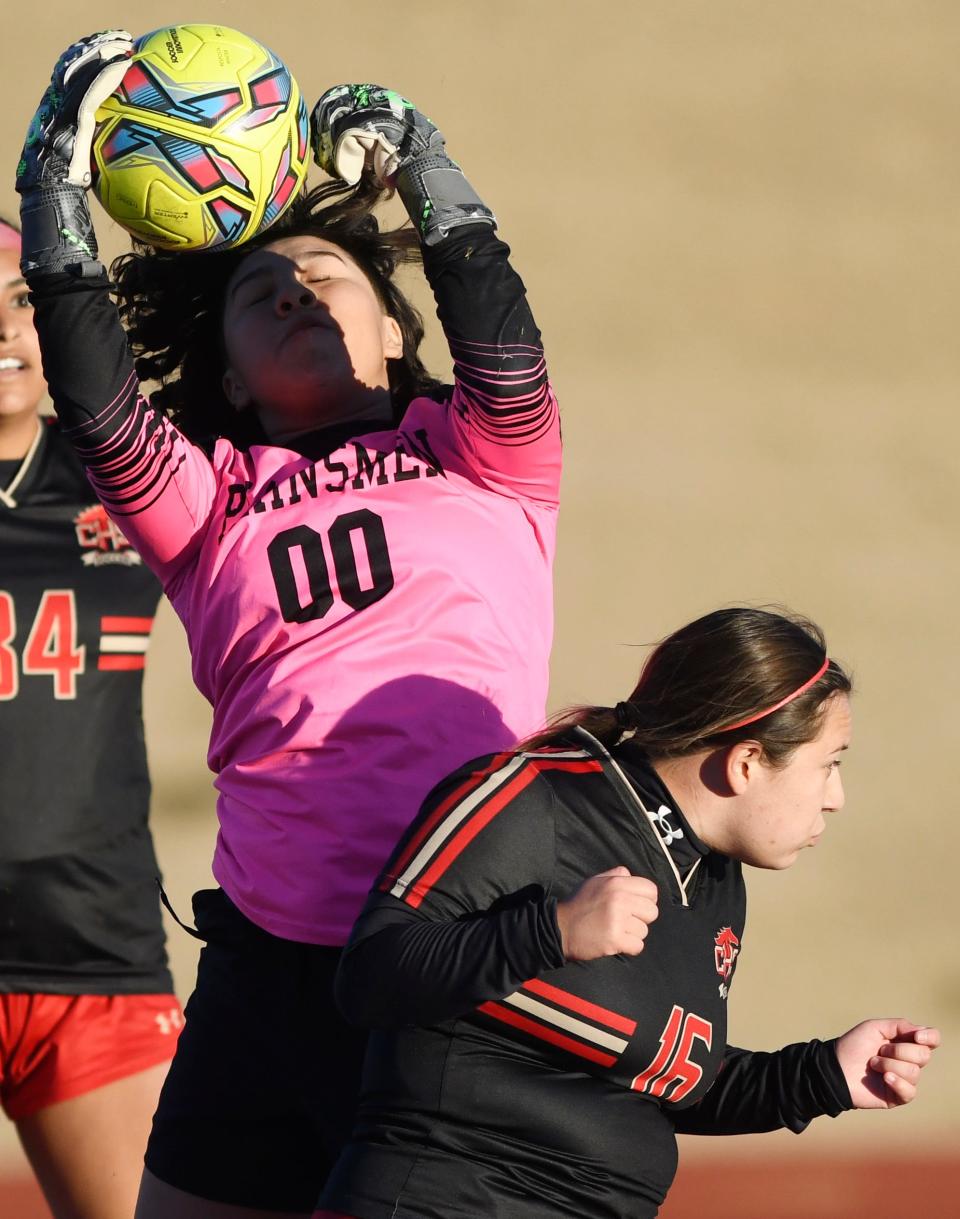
609 913
881 1061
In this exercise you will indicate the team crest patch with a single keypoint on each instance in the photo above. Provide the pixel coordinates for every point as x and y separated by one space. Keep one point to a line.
726 947
101 541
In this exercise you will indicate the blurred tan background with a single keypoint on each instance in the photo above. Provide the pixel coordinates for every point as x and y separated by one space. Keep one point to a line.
737 223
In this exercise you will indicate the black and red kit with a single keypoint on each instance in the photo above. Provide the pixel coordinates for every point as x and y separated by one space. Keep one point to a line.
79 910
503 1081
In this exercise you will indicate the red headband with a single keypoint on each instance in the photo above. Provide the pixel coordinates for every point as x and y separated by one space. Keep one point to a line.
9 237
751 719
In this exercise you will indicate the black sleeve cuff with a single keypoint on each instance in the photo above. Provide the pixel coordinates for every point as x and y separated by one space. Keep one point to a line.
61 283
829 1089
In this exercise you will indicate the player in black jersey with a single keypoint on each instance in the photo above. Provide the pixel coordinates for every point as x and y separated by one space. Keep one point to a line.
547 958
88 1022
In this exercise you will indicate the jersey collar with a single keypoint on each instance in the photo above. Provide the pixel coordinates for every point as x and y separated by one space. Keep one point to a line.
669 819
323 441
646 799
8 494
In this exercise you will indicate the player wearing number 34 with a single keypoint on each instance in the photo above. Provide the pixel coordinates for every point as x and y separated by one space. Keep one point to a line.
88 1022
360 557
548 956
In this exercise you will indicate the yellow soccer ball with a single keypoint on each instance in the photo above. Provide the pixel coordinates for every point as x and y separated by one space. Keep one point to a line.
204 143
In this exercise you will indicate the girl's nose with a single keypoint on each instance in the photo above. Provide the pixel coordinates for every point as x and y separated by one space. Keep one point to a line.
9 326
295 296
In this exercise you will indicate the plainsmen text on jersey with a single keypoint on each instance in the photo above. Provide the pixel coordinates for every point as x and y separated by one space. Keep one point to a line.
364 613
78 899
506 1082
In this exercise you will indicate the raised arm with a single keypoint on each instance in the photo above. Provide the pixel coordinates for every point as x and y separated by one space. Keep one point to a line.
153 483
504 412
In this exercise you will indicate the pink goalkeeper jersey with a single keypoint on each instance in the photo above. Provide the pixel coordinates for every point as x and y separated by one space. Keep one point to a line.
362 622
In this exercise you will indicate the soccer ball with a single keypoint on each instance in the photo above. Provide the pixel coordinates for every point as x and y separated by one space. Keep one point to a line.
204 142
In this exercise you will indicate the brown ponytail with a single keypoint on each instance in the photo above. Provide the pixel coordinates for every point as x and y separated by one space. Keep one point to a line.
726 668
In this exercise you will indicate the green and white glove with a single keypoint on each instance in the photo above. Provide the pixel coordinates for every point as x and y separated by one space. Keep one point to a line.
53 175
355 126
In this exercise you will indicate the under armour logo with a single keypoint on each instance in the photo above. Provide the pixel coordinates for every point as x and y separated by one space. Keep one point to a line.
170 1021
667 832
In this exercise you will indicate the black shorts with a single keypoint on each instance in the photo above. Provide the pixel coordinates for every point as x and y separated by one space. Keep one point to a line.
262 1091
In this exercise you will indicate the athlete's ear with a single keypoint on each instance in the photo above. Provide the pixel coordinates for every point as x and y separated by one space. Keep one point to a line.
743 764
392 338
236 391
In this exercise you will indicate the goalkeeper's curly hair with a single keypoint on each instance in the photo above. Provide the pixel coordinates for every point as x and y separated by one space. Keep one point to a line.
172 307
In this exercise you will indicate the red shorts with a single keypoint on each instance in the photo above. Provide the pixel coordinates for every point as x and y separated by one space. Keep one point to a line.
56 1047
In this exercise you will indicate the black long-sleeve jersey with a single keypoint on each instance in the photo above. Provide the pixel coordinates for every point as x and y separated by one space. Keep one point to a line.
503 1080
78 899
